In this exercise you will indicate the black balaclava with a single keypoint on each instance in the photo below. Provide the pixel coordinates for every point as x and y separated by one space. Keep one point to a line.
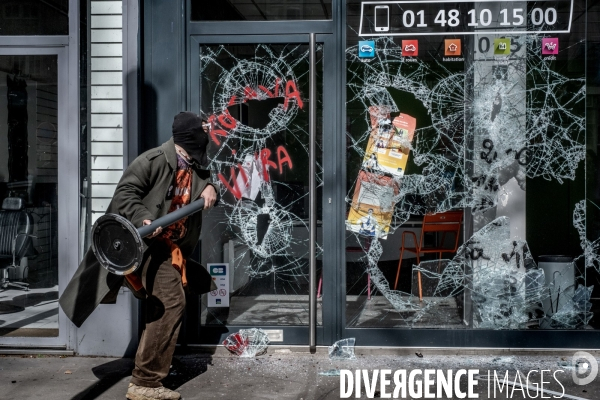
189 135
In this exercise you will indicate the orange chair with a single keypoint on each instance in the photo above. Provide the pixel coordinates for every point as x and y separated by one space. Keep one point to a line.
446 222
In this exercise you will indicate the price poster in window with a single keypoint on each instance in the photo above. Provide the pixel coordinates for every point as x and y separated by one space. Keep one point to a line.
389 142
379 179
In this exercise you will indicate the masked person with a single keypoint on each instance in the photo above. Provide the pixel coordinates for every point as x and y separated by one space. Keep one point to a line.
157 182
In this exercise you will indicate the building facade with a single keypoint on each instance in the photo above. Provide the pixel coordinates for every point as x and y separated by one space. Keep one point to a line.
408 173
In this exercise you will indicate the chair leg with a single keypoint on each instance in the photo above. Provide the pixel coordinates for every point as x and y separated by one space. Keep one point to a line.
320 284
399 265
5 282
419 279
19 285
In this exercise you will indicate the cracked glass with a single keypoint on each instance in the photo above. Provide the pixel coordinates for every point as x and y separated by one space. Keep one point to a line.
468 169
255 99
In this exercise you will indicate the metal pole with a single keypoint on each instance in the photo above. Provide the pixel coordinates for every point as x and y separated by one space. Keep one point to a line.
172 217
312 187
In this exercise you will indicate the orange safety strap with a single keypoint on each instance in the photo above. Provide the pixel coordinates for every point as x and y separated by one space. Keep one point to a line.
176 259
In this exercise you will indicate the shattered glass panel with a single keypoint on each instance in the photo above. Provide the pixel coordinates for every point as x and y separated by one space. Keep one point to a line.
489 127
255 98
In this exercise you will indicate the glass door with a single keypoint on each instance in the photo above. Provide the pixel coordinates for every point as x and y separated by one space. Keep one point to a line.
254 92
33 195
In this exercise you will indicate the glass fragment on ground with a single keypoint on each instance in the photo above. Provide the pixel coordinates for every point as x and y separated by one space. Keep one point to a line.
247 342
342 350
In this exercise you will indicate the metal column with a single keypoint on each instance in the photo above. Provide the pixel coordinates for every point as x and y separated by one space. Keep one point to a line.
312 187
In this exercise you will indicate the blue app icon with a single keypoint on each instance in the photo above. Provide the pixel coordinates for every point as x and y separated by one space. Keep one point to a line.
366 49
217 270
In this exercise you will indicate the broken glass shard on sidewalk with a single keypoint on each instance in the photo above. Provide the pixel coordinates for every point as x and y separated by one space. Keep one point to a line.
330 372
247 342
342 350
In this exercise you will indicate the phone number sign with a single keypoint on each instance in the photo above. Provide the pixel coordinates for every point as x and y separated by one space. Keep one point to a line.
462 17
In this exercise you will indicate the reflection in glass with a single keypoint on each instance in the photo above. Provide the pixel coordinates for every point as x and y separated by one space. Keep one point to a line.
28 195
260 10
255 98
34 17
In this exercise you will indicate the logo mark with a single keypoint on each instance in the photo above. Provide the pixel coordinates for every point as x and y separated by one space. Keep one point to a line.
217 270
501 47
366 49
410 48
452 47
550 46
584 363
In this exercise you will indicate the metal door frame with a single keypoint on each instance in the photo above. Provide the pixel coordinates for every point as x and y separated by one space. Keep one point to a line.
293 335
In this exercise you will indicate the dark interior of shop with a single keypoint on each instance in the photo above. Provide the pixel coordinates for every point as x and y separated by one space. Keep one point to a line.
28 192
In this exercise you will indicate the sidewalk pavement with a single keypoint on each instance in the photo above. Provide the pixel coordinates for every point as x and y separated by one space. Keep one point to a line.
279 374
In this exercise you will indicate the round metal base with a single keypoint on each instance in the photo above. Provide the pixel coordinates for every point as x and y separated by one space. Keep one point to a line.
117 244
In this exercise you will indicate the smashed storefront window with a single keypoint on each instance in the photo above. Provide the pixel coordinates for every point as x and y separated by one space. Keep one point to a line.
255 98
487 124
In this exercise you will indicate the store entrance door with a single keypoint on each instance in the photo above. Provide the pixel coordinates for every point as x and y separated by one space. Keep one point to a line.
37 195
255 92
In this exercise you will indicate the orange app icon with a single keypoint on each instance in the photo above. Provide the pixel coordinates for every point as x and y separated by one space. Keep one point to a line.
452 47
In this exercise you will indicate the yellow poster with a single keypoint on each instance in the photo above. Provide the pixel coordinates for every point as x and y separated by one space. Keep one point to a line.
378 181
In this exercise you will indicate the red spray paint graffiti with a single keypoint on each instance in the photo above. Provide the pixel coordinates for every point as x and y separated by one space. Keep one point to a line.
224 122
236 189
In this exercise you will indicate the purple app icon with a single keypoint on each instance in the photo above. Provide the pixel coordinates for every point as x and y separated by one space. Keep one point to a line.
550 46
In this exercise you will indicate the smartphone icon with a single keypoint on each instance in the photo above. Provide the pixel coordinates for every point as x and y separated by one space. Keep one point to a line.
382 18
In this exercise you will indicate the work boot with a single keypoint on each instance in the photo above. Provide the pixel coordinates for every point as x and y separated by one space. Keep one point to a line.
136 392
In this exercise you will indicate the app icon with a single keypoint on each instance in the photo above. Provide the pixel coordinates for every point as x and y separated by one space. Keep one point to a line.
217 270
366 49
410 48
501 47
550 46
452 47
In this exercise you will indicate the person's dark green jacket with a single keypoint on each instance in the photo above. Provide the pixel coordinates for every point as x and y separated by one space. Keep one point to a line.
140 195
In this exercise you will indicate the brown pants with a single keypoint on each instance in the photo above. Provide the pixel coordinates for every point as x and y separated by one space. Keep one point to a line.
164 310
